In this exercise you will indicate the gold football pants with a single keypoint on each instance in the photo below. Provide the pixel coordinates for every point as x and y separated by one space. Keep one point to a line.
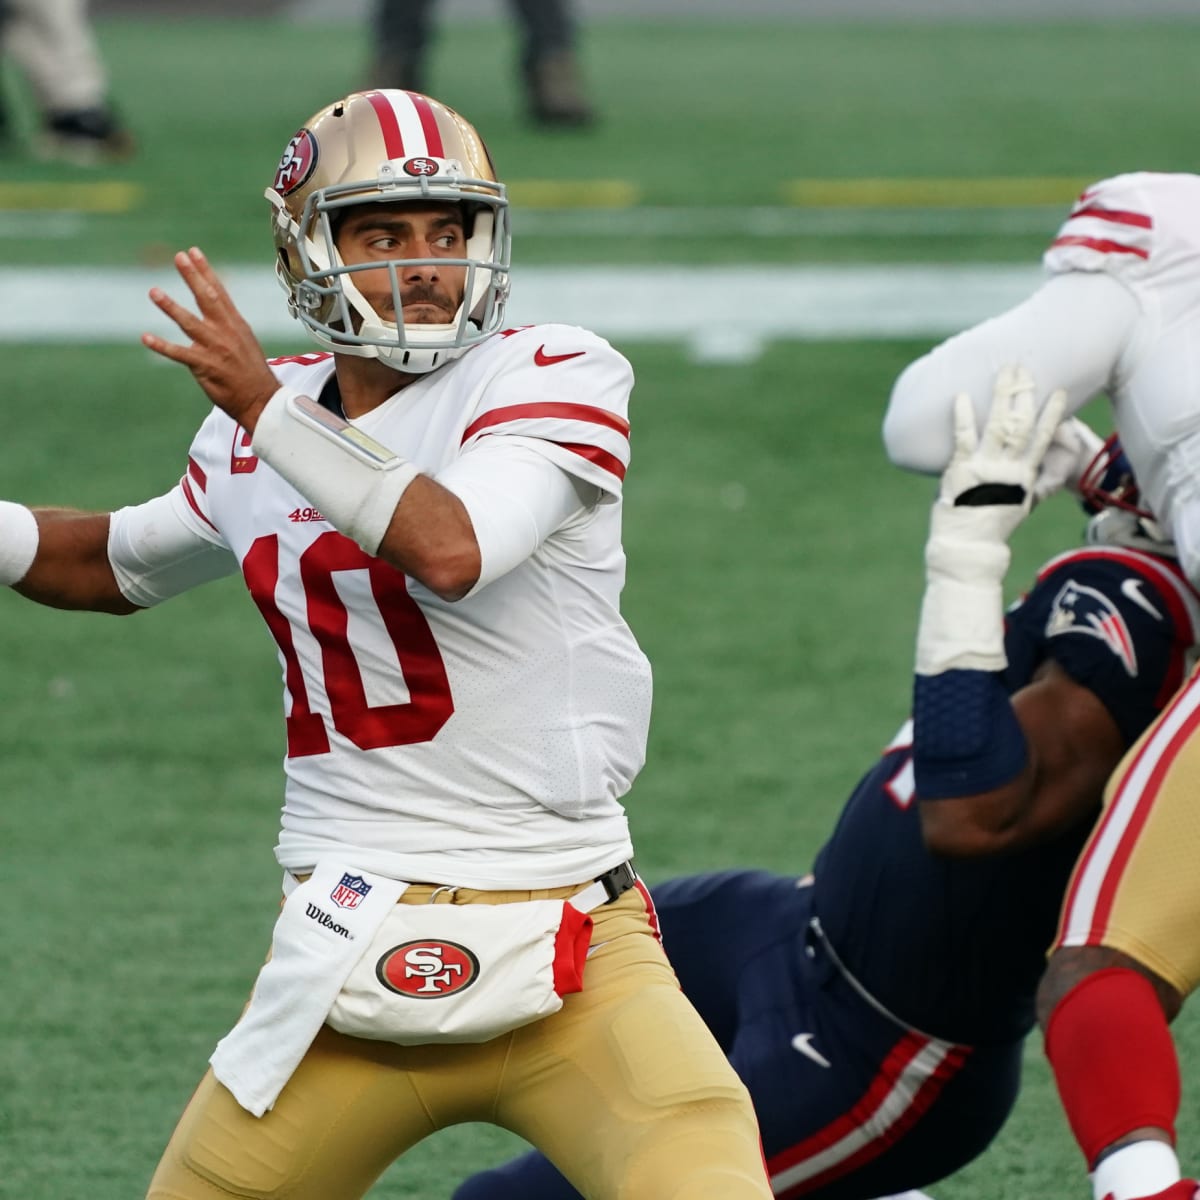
624 1089
1136 888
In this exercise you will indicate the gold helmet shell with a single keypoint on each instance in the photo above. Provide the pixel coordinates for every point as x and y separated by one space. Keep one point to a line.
387 147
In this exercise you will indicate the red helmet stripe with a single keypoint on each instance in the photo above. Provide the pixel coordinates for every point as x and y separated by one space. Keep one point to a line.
388 124
433 136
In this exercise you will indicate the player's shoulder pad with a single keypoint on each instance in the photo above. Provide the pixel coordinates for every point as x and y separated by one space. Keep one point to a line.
1092 585
551 345
1137 227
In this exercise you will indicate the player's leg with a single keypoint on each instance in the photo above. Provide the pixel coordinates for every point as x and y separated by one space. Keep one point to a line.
401 33
1126 955
53 44
549 63
715 927
625 1088
351 1108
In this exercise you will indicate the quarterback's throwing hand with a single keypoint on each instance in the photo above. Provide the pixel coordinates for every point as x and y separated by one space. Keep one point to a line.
1001 466
223 354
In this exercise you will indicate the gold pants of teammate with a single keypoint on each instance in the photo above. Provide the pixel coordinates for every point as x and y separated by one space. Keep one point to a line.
624 1089
1136 888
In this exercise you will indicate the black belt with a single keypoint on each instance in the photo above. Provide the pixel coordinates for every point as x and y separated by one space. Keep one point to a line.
617 881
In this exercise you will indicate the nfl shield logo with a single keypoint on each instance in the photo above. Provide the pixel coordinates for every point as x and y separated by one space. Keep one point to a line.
350 892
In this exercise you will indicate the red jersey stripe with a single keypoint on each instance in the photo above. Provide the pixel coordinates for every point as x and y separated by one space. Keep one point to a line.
433 136
191 499
1102 244
561 412
388 124
607 462
195 471
1143 806
1116 215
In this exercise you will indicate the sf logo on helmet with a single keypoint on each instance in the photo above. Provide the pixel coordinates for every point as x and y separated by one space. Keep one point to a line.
296 165
421 166
428 969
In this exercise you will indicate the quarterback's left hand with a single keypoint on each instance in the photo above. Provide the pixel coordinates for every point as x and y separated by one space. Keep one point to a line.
224 355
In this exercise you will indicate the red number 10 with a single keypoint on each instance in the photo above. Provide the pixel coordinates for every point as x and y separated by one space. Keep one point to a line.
430 703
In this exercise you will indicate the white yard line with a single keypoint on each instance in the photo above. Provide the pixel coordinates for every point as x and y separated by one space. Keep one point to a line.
721 313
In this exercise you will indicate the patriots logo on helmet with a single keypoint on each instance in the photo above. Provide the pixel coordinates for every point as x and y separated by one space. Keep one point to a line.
1081 609
296 165
350 892
421 166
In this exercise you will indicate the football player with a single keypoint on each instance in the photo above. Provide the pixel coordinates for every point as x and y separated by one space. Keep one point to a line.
1120 313
428 517
877 1008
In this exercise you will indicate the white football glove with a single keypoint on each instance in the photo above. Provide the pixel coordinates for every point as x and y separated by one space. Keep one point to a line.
1001 467
986 491
1071 451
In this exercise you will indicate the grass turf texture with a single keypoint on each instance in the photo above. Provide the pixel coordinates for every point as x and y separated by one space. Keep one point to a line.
693 115
774 557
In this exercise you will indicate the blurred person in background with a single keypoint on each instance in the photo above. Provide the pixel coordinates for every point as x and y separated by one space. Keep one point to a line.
52 44
548 66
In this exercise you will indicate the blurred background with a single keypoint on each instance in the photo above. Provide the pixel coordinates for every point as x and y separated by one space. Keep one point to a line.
774 206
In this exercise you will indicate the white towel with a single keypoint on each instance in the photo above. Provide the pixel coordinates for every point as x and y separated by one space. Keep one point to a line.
325 927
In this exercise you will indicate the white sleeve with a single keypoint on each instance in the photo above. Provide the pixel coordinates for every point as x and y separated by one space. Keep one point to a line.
516 497
156 552
1069 334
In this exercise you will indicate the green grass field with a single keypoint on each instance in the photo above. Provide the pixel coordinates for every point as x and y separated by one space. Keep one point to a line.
774 556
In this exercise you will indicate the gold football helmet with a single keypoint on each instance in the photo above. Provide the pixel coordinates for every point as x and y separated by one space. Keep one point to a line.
387 147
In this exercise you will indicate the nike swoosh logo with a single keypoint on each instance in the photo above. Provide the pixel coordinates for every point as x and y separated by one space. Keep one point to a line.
542 359
803 1043
1131 589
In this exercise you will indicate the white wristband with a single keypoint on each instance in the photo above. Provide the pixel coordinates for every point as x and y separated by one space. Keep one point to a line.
354 480
18 542
962 611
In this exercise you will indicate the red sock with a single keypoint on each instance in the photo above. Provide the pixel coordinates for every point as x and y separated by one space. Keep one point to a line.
1113 1059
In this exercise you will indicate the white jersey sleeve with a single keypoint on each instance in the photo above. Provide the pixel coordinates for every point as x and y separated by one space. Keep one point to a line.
516 498
169 544
566 391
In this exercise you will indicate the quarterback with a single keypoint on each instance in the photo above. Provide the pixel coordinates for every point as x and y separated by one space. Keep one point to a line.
427 515
877 1008
1119 314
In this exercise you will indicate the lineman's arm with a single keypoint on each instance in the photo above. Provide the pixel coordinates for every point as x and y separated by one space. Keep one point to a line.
977 771
1072 745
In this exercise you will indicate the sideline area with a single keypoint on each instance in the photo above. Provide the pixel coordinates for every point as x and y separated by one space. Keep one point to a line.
719 313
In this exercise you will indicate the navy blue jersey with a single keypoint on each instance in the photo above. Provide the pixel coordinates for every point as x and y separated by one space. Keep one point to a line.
955 948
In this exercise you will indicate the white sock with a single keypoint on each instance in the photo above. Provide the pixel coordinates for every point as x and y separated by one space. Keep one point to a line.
1137 1170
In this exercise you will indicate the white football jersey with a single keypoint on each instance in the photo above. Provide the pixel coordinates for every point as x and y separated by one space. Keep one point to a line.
485 742
1119 315
1144 230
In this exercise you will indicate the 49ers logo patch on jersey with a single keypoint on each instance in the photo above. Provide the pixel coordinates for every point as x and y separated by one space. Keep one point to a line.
427 970
296 165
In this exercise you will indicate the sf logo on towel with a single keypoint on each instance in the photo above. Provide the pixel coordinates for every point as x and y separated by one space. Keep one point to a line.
428 969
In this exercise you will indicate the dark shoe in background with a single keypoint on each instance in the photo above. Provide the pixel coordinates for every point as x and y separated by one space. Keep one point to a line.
86 137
